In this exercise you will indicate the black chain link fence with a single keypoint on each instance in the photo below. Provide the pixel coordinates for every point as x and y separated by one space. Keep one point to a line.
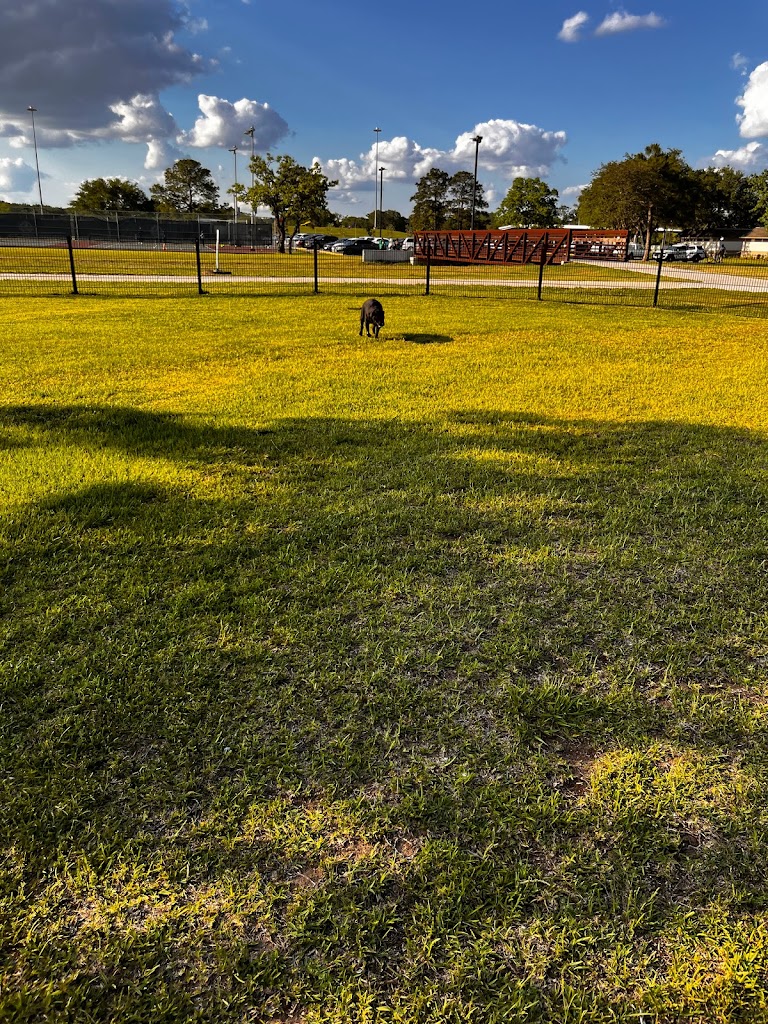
528 265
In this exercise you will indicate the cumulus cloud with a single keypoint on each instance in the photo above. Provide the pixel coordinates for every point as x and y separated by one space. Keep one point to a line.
621 21
572 193
509 148
95 69
140 119
16 177
223 123
750 158
571 30
76 59
161 153
753 123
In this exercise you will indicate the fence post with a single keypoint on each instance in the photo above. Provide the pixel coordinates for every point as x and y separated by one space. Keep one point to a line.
72 264
542 258
429 264
658 277
199 268
314 257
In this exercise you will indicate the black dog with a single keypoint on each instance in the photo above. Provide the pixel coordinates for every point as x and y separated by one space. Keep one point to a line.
371 315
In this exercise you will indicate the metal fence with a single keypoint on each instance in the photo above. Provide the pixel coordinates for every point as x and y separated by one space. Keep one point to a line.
68 265
133 228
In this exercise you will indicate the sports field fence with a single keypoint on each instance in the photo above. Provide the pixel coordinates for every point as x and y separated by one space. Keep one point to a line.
552 266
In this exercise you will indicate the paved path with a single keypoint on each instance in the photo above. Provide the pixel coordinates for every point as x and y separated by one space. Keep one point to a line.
694 276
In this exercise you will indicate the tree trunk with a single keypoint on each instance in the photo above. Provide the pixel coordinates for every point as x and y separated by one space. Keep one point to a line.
648 232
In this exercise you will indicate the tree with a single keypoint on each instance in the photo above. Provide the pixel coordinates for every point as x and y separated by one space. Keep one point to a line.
99 194
389 220
356 222
566 214
393 220
529 203
640 193
460 189
291 192
431 201
759 187
720 198
189 188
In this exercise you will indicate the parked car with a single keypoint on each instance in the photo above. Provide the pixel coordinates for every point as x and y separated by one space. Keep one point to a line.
696 253
681 251
407 243
298 240
310 241
354 246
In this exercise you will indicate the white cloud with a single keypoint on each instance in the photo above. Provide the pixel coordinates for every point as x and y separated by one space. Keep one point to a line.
571 30
739 63
95 70
754 102
16 177
750 158
621 21
572 193
161 153
223 124
514 148
509 148
75 59
141 119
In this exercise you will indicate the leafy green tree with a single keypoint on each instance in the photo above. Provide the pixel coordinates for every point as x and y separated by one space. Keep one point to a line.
356 222
759 187
188 188
431 201
640 193
99 194
393 220
390 220
722 198
460 189
293 193
529 203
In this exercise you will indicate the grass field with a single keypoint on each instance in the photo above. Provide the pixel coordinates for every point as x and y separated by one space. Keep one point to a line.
351 681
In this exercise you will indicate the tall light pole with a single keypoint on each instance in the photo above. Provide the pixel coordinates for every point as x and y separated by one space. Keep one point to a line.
234 151
33 111
251 131
477 140
381 204
376 179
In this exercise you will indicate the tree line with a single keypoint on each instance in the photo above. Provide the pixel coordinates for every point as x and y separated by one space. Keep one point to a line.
641 193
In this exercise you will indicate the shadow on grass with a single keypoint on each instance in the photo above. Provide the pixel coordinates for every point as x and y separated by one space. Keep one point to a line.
428 339
390 633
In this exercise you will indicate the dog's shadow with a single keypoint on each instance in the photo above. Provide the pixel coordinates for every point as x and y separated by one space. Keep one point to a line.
428 339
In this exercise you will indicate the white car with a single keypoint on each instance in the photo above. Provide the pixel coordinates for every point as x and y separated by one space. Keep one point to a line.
682 251
407 243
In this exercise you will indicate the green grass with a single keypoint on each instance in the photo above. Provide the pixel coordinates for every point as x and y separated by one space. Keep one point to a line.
419 679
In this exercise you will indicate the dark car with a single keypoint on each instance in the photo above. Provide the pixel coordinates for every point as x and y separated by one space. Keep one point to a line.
310 241
354 246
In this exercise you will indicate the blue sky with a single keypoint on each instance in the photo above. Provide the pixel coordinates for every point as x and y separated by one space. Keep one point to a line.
124 87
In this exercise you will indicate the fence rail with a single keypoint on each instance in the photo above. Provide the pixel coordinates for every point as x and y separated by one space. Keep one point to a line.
65 265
